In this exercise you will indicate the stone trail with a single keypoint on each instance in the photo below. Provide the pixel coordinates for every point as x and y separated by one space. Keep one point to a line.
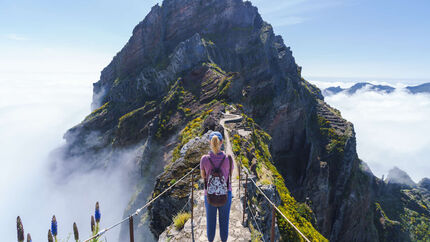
237 232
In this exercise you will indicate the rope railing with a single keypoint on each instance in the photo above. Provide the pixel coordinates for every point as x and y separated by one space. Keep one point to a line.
139 210
275 208
191 200
129 218
255 221
272 204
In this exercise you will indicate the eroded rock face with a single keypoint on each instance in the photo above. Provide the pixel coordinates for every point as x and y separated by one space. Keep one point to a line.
162 211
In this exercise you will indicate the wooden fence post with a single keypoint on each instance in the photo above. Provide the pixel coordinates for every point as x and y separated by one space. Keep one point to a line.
272 232
244 201
240 165
192 198
130 222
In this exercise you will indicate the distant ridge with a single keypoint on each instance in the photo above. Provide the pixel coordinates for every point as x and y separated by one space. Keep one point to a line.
422 88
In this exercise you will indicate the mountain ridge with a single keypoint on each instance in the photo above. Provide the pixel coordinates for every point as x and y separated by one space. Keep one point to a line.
185 64
422 88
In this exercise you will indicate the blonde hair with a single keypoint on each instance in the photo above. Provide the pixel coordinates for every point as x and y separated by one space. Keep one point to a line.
215 144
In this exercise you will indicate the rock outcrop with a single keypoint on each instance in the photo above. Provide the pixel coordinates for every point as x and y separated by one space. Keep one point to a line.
185 63
425 183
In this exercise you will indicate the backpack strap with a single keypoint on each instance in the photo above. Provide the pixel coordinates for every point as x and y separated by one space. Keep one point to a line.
211 162
229 174
222 161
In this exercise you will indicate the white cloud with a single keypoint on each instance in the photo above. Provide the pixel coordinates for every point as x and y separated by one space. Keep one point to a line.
35 111
392 129
16 37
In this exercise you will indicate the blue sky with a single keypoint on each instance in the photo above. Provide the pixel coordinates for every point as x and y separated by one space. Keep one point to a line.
385 39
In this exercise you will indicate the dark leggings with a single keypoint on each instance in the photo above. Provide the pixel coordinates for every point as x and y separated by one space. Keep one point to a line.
224 215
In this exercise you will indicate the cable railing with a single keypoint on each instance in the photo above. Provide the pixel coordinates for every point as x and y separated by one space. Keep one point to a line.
247 173
191 172
130 217
191 200
274 207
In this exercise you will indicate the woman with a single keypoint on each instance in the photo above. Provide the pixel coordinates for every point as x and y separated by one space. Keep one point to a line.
217 156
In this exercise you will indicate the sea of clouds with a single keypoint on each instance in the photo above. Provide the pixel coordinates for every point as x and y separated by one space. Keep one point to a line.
36 109
391 129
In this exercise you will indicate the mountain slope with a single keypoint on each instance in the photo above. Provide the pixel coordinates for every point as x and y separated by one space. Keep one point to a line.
188 61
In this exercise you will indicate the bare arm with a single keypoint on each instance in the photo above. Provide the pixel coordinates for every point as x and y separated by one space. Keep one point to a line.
202 170
203 173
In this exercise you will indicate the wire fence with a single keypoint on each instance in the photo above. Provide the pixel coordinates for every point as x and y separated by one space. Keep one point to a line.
275 208
139 210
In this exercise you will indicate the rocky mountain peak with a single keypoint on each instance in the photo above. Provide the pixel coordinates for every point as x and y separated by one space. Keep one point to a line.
398 176
236 38
186 63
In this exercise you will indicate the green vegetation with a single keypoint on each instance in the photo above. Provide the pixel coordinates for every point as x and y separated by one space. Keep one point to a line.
99 111
336 142
311 88
224 85
170 103
256 236
116 82
207 42
180 219
299 214
192 129
148 107
215 67
387 221
172 182
407 208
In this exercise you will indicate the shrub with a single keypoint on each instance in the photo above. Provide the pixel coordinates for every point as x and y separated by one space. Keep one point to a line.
180 219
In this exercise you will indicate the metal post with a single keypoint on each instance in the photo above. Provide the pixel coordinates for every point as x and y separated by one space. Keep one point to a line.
244 201
272 232
130 222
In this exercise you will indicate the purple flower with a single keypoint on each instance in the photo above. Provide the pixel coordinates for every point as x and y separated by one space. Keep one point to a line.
97 214
54 226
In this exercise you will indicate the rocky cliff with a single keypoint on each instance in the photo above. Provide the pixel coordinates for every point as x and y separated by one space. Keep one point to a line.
185 63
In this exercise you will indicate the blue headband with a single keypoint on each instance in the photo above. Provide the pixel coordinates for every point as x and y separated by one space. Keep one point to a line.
217 134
